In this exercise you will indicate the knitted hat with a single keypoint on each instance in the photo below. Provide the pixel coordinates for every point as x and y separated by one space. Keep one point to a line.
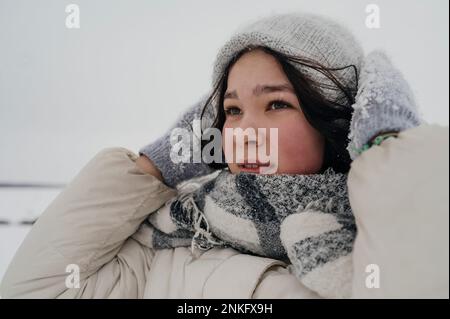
303 35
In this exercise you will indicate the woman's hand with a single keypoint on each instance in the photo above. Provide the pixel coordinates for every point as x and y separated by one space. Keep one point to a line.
384 102
159 150
147 166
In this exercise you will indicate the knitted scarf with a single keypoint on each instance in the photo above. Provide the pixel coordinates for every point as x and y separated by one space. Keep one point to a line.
303 220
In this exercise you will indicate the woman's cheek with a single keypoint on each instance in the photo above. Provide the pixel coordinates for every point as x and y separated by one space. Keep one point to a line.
300 149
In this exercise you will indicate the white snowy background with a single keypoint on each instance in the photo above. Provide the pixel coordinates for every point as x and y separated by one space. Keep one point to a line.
134 66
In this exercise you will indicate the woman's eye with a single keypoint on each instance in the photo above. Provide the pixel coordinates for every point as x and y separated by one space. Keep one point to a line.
275 105
232 111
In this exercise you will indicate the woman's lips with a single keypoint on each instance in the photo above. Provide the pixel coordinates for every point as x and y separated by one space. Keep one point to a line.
252 167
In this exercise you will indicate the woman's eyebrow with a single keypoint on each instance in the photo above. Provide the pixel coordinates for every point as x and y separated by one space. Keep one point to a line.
261 89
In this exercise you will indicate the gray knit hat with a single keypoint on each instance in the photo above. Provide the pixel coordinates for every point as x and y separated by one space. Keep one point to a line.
304 35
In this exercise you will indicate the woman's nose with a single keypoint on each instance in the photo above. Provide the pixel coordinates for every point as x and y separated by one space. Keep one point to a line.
250 135
256 137
250 124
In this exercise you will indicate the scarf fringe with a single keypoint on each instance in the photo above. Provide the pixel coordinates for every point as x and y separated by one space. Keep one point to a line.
203 238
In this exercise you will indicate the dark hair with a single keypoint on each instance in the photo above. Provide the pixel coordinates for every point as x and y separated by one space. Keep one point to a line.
329 118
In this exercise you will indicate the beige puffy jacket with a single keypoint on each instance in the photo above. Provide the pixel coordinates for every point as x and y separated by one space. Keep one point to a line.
90 234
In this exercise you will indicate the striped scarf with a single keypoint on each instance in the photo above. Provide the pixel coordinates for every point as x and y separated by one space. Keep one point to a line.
303 220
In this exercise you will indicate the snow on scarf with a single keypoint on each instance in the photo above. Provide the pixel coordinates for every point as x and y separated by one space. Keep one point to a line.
304 220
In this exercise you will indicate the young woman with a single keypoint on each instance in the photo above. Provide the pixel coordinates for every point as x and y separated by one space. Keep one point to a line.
306 77
302 74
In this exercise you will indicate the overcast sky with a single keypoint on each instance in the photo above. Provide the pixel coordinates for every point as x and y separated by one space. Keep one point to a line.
133 66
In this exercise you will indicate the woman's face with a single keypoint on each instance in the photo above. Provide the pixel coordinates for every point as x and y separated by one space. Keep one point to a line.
260 96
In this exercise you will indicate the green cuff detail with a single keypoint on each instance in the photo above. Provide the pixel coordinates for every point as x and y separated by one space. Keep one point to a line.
376 141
